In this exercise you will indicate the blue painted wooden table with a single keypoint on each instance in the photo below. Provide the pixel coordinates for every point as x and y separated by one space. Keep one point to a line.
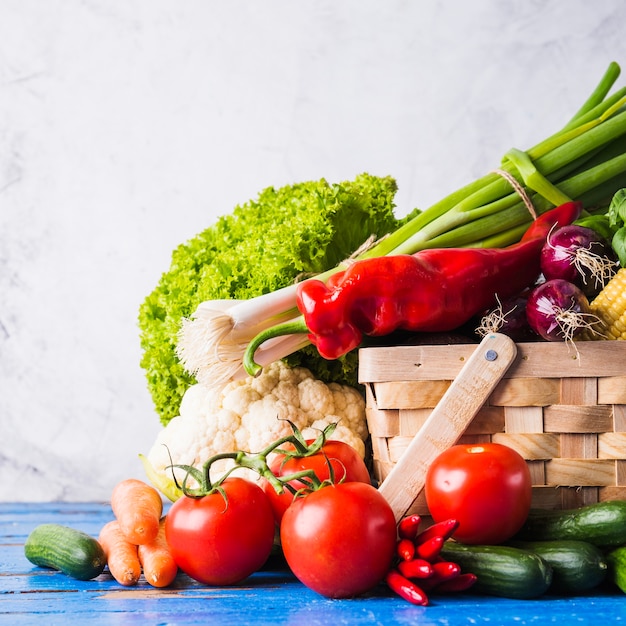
270 597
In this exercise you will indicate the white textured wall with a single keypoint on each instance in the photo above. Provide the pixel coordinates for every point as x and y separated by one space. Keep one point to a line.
127 126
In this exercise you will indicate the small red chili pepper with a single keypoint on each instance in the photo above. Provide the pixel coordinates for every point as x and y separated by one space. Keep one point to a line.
433 290
408 527
430 548
405 549
445 529
462 582
416 568
406 588
442 572
445 570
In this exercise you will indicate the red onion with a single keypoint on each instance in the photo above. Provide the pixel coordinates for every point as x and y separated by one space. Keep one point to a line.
579 255
509 318
558 310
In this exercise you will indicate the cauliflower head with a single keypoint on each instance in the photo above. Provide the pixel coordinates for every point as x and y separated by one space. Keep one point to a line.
250 414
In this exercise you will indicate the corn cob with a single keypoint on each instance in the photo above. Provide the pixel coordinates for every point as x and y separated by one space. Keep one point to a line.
610 307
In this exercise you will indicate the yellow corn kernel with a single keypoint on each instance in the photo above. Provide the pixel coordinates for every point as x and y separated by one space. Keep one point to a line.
610 306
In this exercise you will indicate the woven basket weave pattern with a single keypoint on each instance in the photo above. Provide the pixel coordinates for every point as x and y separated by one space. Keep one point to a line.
563 410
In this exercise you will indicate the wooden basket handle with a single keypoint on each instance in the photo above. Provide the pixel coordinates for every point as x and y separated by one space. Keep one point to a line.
448 420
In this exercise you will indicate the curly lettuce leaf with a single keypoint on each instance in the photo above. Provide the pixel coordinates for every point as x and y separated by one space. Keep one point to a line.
261 246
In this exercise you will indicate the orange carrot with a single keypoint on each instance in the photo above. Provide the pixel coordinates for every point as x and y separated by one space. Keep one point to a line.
138 507
122 556
159 567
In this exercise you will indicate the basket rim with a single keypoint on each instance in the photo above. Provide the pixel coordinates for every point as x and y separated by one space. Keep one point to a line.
582 359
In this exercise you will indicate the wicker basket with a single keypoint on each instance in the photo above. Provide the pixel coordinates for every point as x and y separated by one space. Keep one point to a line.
563 408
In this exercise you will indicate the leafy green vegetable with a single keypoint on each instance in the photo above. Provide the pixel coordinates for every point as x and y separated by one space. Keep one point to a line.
599 223
617 209
263 245
617 221
611 224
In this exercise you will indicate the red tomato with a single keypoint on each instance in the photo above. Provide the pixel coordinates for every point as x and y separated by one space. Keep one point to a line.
486 487
219 542
339 540
347 465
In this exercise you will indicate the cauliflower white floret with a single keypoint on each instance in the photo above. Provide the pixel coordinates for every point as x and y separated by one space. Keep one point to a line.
350 406
238 397
316 398
192 437
268 420
250 414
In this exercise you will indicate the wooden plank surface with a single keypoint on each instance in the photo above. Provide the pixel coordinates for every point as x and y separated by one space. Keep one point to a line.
272 597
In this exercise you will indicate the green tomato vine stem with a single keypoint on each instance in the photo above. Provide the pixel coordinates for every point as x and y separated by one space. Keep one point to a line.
258 462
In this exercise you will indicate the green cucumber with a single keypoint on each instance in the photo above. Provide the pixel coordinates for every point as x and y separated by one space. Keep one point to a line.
577 566
603 524
501 570
616 559
68 550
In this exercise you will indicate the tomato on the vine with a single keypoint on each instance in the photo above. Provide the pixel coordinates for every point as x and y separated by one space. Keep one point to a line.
339 540
486 487
220 539
347 465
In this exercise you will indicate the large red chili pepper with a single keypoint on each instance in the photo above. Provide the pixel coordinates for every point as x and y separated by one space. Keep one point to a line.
433 290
